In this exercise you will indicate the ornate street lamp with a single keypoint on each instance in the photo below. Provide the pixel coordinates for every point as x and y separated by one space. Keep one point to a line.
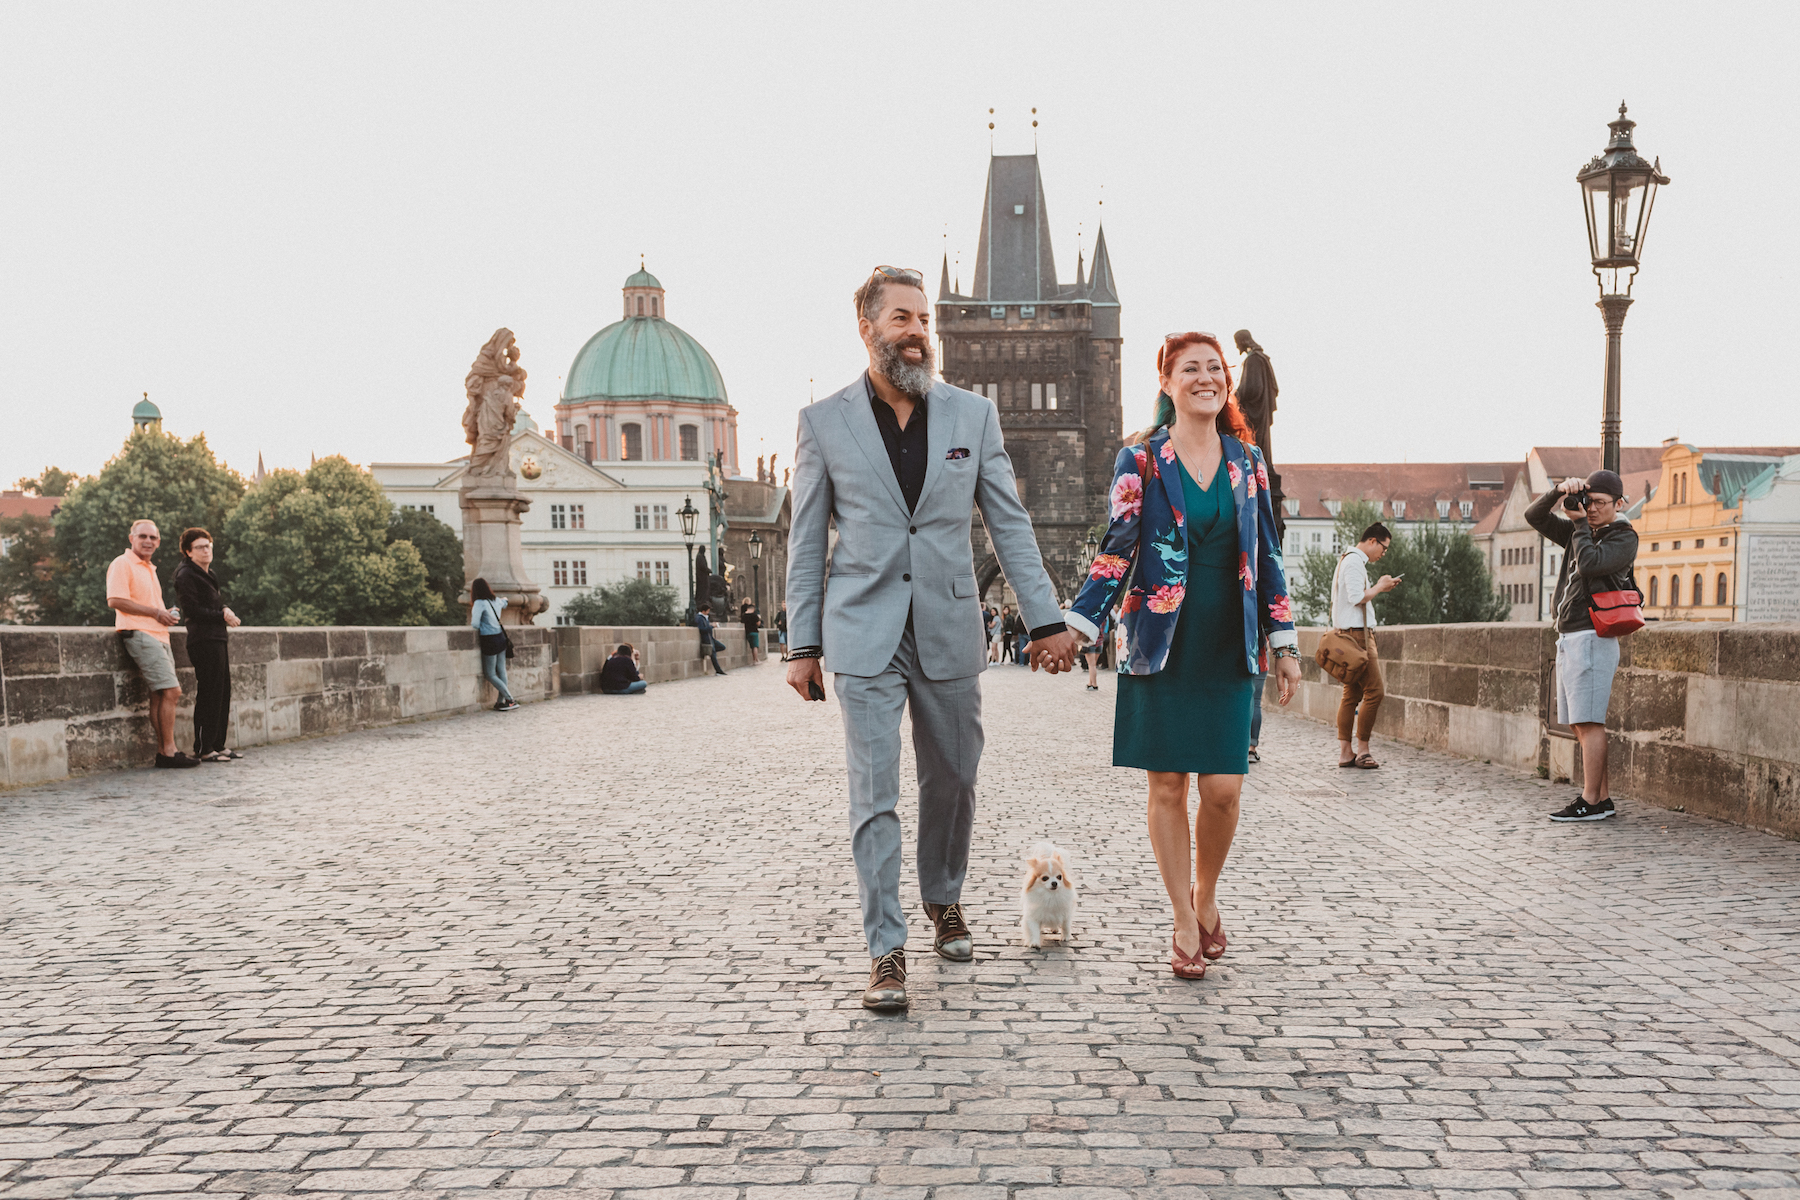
1093 549
689 514
1618 190
756 544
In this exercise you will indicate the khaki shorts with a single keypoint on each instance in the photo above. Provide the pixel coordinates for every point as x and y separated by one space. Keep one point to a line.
154 659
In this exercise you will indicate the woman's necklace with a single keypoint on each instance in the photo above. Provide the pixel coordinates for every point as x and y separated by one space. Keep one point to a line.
1203 455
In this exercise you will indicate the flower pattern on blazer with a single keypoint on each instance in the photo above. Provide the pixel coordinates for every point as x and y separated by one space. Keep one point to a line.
1149 529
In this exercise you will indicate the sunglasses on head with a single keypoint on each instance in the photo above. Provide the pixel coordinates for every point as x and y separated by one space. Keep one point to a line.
903 274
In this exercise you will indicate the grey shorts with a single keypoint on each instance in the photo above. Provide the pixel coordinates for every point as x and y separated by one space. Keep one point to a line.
154 659
1585 666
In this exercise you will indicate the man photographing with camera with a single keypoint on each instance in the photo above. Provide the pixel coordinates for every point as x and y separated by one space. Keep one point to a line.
1582 516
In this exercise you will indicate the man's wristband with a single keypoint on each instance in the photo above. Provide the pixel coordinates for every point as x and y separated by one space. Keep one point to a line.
806 652
1044 631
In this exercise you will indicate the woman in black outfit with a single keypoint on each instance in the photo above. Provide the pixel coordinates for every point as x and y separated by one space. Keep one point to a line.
204 613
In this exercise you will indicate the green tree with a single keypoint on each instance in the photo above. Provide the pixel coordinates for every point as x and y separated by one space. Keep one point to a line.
54 481
1446 579
177 484
29 577
439 549
313 549
632 602
1310 587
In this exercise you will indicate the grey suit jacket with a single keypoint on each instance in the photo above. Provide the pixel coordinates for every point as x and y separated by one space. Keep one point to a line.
885 562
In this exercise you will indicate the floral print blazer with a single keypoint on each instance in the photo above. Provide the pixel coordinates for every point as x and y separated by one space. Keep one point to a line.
1149 528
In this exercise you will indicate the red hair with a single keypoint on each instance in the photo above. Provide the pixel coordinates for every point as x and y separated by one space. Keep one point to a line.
1230 419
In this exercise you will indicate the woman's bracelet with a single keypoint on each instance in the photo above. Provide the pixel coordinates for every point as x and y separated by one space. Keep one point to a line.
1284 651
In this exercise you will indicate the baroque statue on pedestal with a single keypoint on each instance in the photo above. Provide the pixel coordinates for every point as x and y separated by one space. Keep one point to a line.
494 385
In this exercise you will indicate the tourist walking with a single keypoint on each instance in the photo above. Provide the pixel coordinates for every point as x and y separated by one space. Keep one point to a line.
619 673
752 622
1256 714
1599 547
204 612
1353 615
1192 529
781 629
484 615
709 641
134 593
898 621
1009 630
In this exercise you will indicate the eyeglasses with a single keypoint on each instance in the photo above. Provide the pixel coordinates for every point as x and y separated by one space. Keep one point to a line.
1169 337
903 274
1593 500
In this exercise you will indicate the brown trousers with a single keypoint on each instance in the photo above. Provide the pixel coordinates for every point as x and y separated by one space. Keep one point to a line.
1362 698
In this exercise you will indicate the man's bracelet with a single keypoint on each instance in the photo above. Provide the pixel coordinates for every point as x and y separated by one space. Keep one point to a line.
806 652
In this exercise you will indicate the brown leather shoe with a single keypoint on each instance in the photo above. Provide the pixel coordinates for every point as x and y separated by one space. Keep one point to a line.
953 939
887 983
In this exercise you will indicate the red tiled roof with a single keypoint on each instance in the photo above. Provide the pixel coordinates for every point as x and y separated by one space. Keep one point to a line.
17 504
1564 462
1419 485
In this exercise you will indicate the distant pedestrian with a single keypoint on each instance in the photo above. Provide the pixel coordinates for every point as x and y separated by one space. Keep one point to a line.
752 621
1599 548
484 615
619 674
1353 614
134 593
1009 629
709 642
781 628
207 618
1256 713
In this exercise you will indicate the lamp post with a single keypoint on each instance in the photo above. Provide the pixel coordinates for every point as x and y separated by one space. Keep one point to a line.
756 545
689 514
1093 549
1618 190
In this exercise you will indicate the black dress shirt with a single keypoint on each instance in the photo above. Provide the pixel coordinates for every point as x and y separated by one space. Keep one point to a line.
907 447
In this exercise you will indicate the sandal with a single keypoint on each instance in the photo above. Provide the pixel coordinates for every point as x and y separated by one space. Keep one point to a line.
1185 965
1364 761
1345 766
1212 945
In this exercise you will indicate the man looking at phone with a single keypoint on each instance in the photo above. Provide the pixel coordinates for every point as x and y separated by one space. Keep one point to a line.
1599 547
899 461
1353 613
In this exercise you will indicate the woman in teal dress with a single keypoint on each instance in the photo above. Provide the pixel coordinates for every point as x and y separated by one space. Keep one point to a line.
1192 562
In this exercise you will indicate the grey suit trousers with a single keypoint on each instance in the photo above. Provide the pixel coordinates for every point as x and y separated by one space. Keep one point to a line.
947 742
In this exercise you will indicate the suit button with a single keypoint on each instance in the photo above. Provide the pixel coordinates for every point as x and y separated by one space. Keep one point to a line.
906 578
912 529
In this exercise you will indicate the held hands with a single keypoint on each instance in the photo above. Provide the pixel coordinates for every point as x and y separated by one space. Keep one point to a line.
803 672
1055 653
1287 677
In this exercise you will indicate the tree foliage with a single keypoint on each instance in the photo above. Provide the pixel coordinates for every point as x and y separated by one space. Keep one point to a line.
632 602
313 549
52 481
29 575
439 549
177 484
1447 578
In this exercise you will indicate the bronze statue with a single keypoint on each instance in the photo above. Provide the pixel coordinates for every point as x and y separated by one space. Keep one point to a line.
1256 392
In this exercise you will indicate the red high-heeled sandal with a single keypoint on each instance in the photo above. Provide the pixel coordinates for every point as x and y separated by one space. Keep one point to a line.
1185 965
1212 945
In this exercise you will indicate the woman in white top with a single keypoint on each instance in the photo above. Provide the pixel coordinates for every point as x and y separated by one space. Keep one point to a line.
484 615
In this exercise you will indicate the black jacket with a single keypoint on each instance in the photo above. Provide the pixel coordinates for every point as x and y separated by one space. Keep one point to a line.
1596 560
617 673
202 605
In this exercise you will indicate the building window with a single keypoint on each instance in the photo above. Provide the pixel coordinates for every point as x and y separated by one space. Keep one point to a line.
1655 546
640 306
654 307
993 393
1699 592
558 517
578 572
581 440
1467 506
1653 591
1699 543
640 516
690 443
1332 506
1723 542
1677 545
1317 538
559 572
643 568
1721 589
997 313
562 620
631 443
1443 509
1674 591
1027 310
1050 396
1399 509
1531 554
662 571
1531 593
1037 395
577 516
661 512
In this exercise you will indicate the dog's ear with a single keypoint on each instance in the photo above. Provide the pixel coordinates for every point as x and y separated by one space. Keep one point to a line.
1033 868
1064 868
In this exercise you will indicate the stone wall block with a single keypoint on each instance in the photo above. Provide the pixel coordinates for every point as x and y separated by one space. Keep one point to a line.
314 714
461 638
424 641
249 723
85 651
34 698
102 743
1390 643
1760 652
1512 739
386 641
1704 781
1420 643
29 652
254 645
347 643
1519 647
35 753
1428 724
249 681
284 713
1772 796
1674 646
1508 691
1649 701
295 677
1451 683
1466 644
304 643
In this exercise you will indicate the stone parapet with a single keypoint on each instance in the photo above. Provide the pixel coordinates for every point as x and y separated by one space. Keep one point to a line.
74 703
1704 717
665 652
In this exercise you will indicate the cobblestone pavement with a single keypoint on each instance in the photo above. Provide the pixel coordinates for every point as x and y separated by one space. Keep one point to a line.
609 946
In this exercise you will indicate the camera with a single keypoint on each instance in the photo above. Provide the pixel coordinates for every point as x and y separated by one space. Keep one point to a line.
1576 501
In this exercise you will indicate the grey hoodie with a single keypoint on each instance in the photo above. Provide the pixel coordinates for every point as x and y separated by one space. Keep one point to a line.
1597 560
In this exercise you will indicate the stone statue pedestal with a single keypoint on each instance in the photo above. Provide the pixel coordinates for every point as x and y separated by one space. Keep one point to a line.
491 505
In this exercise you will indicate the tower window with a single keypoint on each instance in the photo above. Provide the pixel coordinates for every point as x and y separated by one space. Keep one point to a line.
1018 210
1028 310
1037 395
690 443
1050 395
997 313
653 307
640 306
631 442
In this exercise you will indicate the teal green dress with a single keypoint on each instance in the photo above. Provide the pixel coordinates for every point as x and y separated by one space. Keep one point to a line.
1194 714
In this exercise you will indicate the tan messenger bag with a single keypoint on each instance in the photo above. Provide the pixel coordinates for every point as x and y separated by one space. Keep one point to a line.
1338 654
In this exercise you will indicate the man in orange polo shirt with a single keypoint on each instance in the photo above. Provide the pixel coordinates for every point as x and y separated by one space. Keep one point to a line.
134 593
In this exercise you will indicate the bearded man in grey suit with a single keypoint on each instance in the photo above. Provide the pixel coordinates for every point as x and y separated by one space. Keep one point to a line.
900 462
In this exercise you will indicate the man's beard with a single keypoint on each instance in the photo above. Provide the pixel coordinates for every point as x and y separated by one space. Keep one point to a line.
912 378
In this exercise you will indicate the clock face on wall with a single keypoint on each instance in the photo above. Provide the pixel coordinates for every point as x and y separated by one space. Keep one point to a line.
529 467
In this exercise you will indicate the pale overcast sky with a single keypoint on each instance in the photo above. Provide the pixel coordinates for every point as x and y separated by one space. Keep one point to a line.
295 225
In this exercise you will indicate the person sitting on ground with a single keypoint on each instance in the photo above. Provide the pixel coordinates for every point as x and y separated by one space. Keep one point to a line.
709 642
619 674
134 594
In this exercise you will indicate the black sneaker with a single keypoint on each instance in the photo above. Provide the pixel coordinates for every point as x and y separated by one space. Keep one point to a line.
1581 810
177 759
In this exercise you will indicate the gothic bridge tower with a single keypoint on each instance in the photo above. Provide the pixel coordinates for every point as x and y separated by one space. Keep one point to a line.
1047 355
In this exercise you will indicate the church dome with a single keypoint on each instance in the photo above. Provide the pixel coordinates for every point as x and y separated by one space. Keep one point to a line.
143 410
644 355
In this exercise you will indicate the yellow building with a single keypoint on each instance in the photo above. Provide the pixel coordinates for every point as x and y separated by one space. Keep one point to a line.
1688 531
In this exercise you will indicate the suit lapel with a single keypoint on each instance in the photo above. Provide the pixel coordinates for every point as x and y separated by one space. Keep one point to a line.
1169 473
1240 477
940 427
867 434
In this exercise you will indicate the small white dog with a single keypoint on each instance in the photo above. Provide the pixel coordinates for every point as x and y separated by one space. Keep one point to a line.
1047 895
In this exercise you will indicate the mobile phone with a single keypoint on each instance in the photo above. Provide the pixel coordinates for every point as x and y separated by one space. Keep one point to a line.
814 691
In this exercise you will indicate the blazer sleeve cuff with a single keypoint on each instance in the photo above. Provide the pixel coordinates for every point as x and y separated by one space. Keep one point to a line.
1283 637
1081 625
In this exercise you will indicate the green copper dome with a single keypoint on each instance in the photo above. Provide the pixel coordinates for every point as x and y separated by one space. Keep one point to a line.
644 356
143 410
642 278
